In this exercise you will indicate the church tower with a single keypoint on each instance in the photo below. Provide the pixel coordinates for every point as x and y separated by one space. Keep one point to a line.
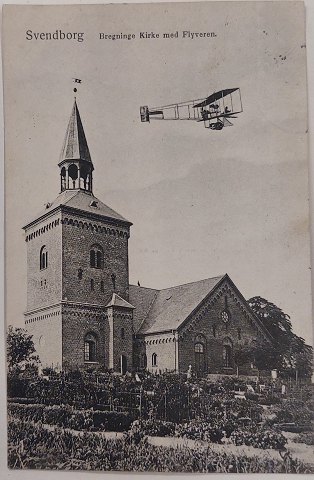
77 270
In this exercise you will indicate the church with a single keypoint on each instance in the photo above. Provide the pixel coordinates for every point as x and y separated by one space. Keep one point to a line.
83 313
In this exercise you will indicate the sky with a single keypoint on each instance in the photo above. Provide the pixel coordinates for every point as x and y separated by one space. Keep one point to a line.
202 203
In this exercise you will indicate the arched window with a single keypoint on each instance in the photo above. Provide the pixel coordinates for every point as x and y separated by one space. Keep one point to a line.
122 332
154 360
73 174
43 259
96 256
199 348
92 284
90 347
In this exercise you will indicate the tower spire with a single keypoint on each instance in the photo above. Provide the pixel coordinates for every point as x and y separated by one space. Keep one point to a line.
75 161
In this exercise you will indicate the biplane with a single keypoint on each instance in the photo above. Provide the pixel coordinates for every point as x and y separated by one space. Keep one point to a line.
214 111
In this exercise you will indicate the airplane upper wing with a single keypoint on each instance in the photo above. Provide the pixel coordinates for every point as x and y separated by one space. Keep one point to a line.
216 96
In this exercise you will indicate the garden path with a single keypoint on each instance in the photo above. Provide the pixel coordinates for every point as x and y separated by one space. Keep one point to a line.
298 450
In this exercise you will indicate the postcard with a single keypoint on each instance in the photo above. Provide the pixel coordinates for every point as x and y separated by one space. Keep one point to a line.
158 280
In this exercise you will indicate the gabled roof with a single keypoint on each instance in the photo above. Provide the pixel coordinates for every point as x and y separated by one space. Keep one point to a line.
117 301
75 144
83 202
162 310
143 299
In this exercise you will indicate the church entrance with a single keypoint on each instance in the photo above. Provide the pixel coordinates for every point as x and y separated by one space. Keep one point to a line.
123 364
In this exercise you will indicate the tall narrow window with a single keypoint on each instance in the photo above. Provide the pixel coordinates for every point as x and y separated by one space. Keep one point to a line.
122 332
43 260
102 286
96 256
92 259
199 357
154 360
227 356
239 333
90 350
214 330
92 285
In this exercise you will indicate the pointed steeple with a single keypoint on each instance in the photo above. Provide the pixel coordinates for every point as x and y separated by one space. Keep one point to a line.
75 145
75 160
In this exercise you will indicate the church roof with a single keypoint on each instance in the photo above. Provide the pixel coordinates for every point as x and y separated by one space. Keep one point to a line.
117 301
83 202
75 144
161 310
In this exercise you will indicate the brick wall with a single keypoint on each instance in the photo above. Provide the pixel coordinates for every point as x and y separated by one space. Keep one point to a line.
122 343
77 239
44 286
77 322
239 331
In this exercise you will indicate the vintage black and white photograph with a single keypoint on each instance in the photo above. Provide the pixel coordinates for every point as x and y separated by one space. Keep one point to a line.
157 250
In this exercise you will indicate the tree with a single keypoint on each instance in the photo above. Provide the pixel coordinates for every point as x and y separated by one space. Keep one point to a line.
288 353
20 350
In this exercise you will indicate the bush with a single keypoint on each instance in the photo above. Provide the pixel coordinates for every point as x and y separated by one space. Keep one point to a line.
293 411
66 417
259 438
155 428
306 437
200 430
17 387
112 421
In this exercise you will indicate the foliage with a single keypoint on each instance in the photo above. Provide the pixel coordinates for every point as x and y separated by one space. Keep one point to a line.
67 417
200 430
20 351
17 386
154 428
259 438
305 437
289 352
293 411
32 446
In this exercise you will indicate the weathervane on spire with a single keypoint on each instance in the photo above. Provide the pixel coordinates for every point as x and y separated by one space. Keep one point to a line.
76 80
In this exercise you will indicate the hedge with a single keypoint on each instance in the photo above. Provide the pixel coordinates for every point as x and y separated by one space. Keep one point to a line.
66 417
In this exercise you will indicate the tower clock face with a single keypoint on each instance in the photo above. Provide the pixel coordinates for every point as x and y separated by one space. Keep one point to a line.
225 317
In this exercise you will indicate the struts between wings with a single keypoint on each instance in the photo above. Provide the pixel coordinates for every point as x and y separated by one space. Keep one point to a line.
214 111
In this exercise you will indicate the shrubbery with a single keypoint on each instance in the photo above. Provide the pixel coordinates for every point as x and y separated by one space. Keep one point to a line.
32 446
66 417
259 438
200 430
293 411
154 428
306 437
